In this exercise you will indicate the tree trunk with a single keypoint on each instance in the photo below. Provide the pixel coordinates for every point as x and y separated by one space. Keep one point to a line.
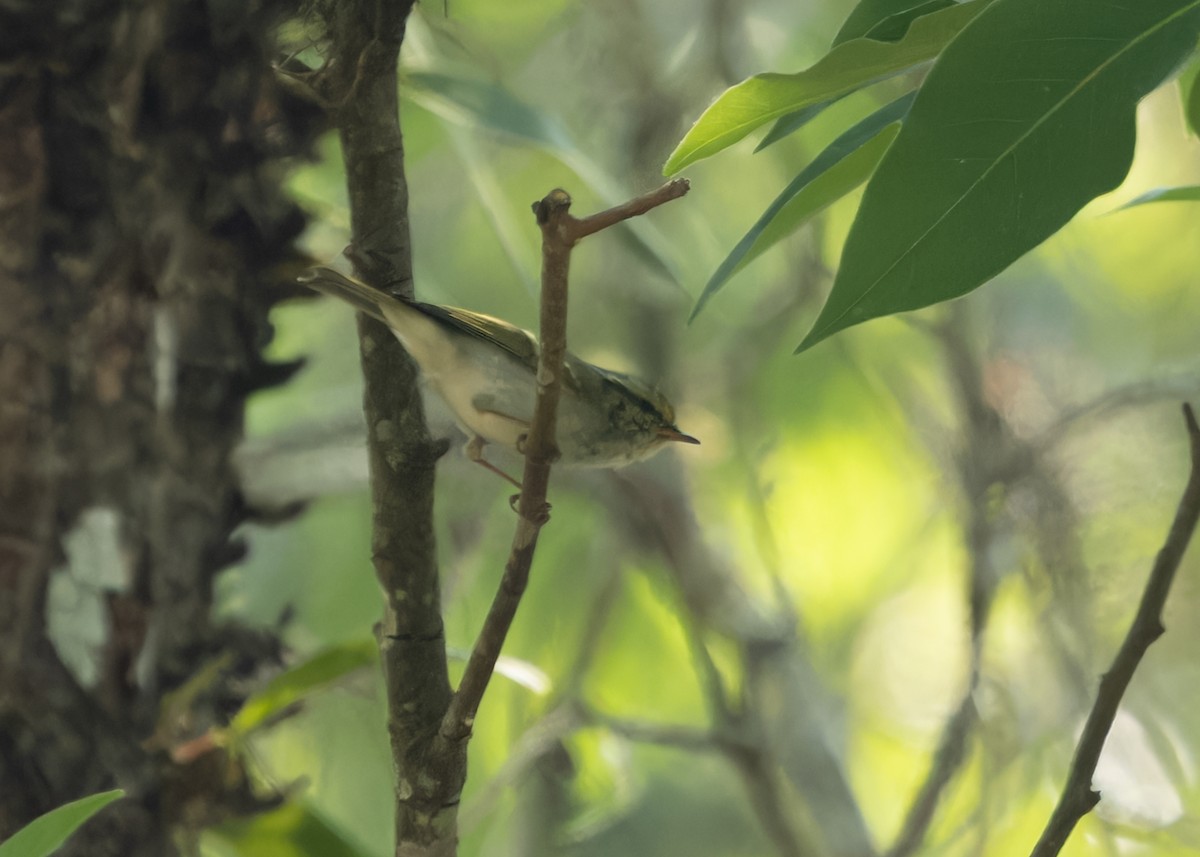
143 238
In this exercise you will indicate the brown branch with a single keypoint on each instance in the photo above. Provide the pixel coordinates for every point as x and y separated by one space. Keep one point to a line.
579 229
360 79
560 232
1078 797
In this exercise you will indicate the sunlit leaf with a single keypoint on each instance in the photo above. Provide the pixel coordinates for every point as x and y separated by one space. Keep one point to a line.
518 671
1190 90
793 122
848 67
885 20
604 786
499 209
293 685
1025 117
1193 106
487 106
293 830
482 104
1190 193
43 835
845 164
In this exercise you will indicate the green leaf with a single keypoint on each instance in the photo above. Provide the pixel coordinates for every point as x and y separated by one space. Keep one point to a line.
844 164
1190 90
486 106
481 104
848 67
793 122
293 830
293 685
44 835
1190 193
1026 116
885 20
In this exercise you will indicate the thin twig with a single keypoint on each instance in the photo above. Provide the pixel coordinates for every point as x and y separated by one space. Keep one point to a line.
659 734
1078 796
579 229
1114 401
560 232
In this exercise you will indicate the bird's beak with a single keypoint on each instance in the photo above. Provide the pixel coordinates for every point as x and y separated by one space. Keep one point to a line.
672 433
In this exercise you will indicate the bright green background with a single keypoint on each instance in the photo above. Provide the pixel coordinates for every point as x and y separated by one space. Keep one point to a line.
833 470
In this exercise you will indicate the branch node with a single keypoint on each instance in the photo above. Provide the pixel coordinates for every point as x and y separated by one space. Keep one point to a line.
552 205
541 516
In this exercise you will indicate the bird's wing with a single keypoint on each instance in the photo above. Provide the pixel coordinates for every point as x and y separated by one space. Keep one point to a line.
518 342
521 344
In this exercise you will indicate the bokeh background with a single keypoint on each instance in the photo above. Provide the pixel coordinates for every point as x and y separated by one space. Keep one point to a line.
944 518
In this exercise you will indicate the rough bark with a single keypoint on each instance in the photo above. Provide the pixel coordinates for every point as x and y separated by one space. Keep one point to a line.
141 229
359 85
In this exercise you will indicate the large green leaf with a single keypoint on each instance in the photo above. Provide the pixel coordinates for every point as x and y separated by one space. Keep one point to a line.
1025 117
842 166
1190 193
885 20
850 66
43 835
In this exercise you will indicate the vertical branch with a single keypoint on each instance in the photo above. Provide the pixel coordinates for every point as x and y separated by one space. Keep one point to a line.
141 238
540 452
1078 797
360 80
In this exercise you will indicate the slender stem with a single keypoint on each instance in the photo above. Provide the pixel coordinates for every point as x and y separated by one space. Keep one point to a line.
673 189
1078 797
560 233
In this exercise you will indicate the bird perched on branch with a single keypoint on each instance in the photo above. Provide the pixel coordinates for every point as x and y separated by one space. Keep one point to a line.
485 370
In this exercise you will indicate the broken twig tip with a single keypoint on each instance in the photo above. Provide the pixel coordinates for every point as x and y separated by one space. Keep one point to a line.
558 200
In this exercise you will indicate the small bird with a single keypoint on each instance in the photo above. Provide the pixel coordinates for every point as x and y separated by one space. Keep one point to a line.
484 368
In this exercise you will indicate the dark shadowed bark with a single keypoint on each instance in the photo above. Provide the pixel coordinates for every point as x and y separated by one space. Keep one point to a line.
142 239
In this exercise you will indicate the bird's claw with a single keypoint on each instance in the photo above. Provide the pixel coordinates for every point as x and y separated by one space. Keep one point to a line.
540 516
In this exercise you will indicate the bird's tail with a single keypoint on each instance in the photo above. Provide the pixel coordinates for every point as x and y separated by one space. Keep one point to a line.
364 298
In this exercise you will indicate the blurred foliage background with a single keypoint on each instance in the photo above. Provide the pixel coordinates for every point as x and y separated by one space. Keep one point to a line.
944 518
